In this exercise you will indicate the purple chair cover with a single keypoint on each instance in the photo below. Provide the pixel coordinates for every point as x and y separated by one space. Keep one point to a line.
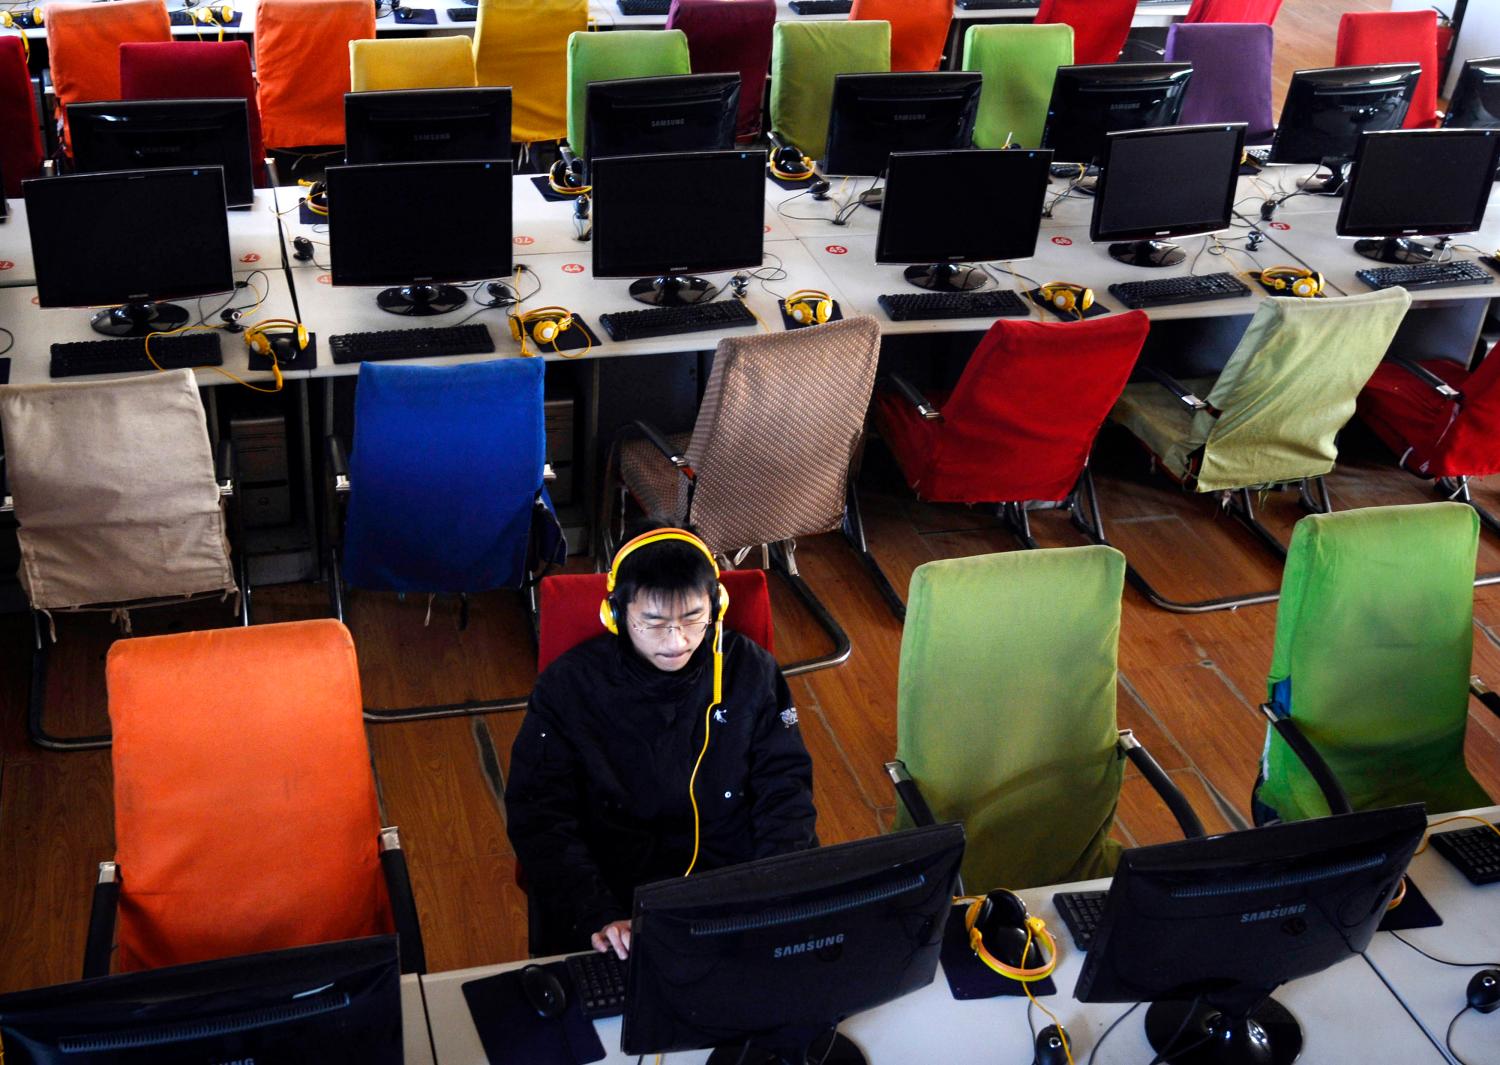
1231 74
730 36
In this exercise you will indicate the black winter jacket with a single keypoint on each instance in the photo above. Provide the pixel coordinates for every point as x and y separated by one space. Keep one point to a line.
597 800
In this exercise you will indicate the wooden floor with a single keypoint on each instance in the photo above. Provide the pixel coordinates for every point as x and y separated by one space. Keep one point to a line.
1189 686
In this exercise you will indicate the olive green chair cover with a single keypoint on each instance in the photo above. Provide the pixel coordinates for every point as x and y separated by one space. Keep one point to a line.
805 58
1374 636
613 55
1019 64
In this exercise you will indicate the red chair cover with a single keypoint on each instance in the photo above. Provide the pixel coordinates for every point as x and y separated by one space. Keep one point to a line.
1020 422
1233 11
20 132
1438 437
570 610
1395 37
185 70
1099 26
919 29
730 37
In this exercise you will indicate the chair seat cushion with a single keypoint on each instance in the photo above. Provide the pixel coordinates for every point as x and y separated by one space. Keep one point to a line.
653 480
1407 414
1159 420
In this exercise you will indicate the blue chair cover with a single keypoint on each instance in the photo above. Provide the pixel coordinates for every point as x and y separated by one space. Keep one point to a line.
446 475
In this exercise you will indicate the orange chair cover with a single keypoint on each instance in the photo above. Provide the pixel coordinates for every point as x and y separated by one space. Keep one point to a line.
83 45
302 61
919 29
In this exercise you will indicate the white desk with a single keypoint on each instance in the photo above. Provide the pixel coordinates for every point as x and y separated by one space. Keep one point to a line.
415 1039
1347 1015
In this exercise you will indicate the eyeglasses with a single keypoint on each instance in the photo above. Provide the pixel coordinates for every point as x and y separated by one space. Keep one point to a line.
658 630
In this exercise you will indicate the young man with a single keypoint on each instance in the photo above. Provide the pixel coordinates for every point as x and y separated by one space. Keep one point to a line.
598 799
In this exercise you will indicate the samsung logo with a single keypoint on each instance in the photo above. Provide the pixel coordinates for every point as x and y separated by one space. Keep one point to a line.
1272 914
808 947
236 1061
432 137
658 123
915 116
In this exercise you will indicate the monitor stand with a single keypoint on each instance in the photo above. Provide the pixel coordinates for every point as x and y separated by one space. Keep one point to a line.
1397 250
138 319
947 277
421 300
1333 185
1147 253
819 1052
677 291
1268 1035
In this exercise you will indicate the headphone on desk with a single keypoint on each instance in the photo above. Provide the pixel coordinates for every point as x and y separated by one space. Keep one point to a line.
544 325
1000 918
316 197
1068 297
789 164
808 306
261 339
1292 281
22 20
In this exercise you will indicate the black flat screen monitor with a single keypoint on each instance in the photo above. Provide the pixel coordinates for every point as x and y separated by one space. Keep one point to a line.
650 116
108 239
664 218
1156 183
874 115
149 134
1417 182
1476 97
777 952
422 125
1327 109
920 224
1089 102
379 235
1207 928
336 1003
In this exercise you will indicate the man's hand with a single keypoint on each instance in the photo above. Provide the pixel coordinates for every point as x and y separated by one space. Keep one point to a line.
613 936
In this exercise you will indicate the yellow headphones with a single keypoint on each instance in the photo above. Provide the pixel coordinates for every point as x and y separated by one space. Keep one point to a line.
809 306
545 325
260 336
781 165
567 184
8 19
317 196
1066 296
1001 909
1293 281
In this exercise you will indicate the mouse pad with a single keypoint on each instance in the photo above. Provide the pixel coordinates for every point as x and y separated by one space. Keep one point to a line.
425 16
545 188
1066 316
570 339
1281 291
513 1034
1491 261
309 218
1414 912
287 355
788 323
968 977
792 183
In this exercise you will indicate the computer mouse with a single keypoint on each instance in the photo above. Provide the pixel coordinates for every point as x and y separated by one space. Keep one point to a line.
1484 990
544 991
819 189
1049 1046
406 14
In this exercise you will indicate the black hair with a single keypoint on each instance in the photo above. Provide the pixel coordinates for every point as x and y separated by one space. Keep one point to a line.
670 568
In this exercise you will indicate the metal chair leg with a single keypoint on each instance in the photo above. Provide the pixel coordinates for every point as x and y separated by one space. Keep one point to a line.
1458 488
784 560
853 528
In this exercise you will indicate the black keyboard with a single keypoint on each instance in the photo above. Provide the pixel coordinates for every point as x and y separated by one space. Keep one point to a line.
1475 852
644 7
412 343
669 321
463 14
1166 291
598 983
821 7
921 306
129 353
1081 912
1427 275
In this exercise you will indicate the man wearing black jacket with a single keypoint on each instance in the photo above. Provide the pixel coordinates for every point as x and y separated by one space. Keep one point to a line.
598 798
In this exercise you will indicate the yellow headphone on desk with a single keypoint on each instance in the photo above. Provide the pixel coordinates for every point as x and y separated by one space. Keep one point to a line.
1293 281
809 306
261 337
545 325
8 19
317 196
1066 296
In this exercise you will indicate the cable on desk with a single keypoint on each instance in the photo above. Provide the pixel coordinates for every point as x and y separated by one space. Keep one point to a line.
1115 1024
1445 961
10 340
1448 1035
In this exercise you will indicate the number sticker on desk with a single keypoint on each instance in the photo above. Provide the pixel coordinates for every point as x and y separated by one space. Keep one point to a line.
1280 225
6 264
572 268
524 242
836 249
1063 242
325 279
250 257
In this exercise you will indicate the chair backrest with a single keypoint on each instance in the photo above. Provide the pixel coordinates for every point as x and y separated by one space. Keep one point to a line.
1231 74
1469 444
919 29
1374 636
1395 37
776 432
1019 64
444 475
182 70
245 809
302 60
391 63
617 54
1005 709
1099 26
1290 386
730 38
83 45
20 130
1262 11
569 610
805 58
524 44
1019 423
114 490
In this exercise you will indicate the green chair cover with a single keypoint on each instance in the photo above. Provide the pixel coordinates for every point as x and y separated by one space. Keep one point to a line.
1006 709
1019 64
805 57
1374 636
618 54
1285 393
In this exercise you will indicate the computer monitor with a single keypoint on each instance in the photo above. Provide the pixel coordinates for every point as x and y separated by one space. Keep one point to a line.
874 115
1417 182
336 1003
650 116
421 125
1156 183
764 960
921 223
1476 97
393 224
142 134
1206 929
132 238
1090 102
1327 109
664 218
